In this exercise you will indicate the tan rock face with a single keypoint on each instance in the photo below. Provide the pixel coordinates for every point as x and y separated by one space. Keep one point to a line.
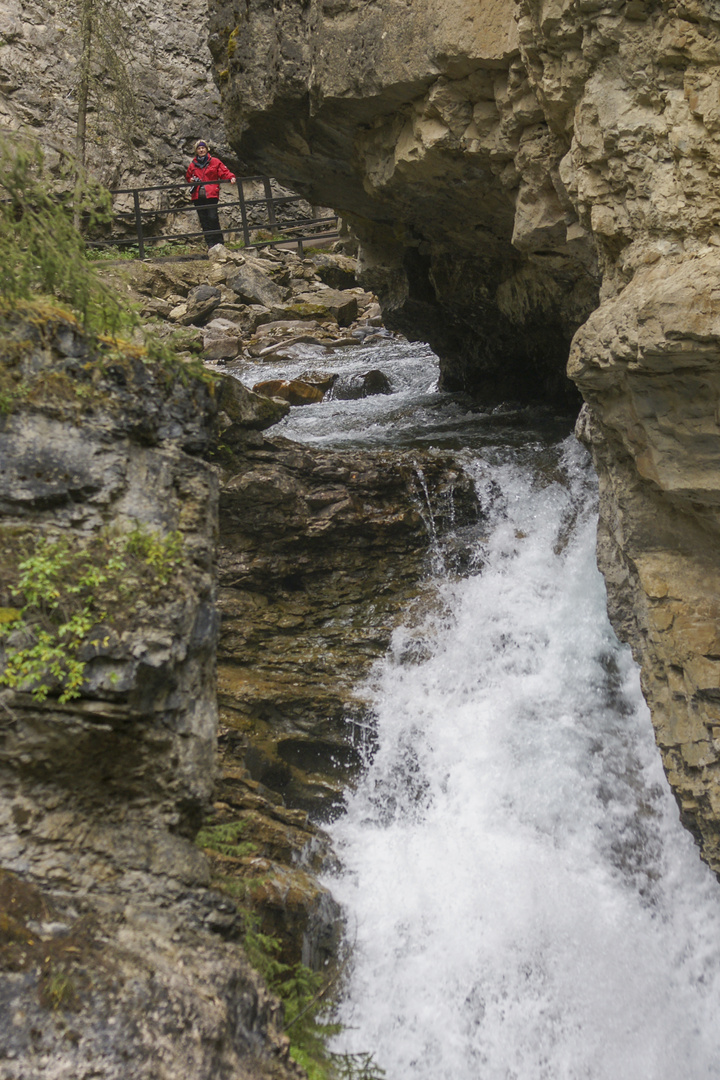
520 176
640 170
420 124
174 99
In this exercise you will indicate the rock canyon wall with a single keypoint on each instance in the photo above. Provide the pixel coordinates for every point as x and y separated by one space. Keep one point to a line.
115 958
141 505
529 182
139 131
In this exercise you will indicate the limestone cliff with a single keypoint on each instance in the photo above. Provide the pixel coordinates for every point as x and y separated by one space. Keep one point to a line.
522 176
115 958
421 125
171 99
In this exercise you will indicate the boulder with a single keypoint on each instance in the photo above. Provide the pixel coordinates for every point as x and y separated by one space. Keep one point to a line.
342 306
255 287
363 385
200 304
244 408
294 391
221 348
337 271
324 380
221 339
286 326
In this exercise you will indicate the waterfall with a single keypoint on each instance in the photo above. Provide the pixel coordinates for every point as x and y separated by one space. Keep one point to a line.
522 902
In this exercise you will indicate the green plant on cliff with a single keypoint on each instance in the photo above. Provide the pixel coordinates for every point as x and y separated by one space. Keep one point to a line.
307 995
226 839
68 597
303 993
44 257
41 251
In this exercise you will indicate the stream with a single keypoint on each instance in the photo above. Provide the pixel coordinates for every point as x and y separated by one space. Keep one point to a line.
521 900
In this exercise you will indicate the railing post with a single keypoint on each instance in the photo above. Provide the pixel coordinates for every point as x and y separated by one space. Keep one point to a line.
243 213
138 223
270 204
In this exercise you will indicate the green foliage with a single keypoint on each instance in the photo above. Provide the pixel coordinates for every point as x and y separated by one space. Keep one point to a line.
58 990
66 592
225 839
162 554
305 994
10 396
305 997
111 253
357 1067
40 249
302 992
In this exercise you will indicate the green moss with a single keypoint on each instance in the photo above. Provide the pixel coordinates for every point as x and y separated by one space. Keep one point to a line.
58 987
232 42
226 840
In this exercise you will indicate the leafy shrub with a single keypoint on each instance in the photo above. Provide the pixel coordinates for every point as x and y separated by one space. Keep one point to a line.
65 593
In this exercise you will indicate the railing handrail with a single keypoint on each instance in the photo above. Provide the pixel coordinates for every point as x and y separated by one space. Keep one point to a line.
270 200
183 185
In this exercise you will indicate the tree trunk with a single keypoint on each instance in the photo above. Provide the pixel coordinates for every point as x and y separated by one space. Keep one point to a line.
87 25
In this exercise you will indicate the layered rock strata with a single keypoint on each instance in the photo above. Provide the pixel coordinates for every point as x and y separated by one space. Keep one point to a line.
519 176
115 958
320 554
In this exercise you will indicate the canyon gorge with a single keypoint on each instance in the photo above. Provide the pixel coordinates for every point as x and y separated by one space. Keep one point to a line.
529 182
531 190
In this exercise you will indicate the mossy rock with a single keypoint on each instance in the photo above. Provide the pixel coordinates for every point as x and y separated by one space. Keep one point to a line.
307 311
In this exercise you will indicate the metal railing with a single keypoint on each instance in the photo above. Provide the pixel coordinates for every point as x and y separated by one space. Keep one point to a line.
298 231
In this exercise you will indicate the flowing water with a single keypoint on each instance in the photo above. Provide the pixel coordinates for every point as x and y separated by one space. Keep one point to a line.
521 900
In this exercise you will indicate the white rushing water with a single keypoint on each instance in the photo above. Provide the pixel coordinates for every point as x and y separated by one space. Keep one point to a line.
522 902
522 899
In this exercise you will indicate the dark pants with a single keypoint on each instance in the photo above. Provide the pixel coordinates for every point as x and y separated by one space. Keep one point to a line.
209 221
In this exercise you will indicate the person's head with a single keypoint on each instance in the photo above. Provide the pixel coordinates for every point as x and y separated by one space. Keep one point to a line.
201 148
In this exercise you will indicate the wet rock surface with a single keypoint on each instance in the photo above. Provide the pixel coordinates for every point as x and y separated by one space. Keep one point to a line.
520 177
320 552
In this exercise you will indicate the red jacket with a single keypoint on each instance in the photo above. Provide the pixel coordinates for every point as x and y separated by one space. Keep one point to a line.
214 170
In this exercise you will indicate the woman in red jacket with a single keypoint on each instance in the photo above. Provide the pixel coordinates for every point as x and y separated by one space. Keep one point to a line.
203 173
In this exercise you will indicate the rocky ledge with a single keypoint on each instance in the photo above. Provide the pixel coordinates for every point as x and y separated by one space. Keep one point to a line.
522 176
